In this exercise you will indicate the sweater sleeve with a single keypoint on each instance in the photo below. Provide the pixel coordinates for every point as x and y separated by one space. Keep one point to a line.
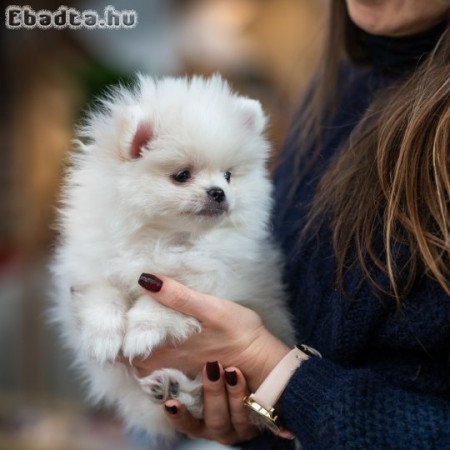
330 407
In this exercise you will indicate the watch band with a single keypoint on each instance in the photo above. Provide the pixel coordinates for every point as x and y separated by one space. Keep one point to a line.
273 386
262 402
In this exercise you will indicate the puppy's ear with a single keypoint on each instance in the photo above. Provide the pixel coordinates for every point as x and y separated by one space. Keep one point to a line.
141 138
252 114
122 126
132 133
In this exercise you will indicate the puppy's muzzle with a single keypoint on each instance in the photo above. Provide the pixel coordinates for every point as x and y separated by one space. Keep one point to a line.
216 203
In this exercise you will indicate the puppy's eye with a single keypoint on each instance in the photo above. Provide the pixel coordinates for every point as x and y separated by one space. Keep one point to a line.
182 177
227 175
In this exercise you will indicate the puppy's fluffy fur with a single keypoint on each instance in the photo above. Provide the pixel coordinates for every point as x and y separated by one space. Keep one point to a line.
170 178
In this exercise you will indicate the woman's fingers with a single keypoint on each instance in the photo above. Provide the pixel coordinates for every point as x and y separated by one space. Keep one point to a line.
225 417
176 296
180 418
237 389
217 416
216 424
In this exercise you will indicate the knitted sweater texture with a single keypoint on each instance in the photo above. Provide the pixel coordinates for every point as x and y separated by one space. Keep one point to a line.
384 379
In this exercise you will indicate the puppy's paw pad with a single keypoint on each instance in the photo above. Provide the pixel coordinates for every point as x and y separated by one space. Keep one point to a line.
160 386
167 384
140 341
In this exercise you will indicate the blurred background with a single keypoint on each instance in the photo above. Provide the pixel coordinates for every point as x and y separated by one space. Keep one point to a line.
267 49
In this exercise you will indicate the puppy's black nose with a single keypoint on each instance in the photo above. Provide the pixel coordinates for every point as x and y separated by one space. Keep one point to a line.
217 194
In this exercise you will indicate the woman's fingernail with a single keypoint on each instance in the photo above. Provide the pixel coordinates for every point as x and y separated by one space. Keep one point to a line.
150 282
171 409
212 371
231 377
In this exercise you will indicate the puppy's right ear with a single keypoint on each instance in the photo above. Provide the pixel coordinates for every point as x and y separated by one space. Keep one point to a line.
133 133
121 129
141 138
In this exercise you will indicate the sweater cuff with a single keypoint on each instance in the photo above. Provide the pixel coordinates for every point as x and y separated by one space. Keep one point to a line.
309 391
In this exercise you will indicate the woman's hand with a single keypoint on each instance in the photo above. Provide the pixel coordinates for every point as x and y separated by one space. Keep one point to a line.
226 419
231 334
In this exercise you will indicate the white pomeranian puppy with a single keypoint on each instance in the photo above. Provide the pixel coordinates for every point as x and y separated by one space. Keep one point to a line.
169 177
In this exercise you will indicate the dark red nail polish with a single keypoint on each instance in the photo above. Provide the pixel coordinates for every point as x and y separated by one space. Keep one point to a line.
231 377
150 282
171 409
212 371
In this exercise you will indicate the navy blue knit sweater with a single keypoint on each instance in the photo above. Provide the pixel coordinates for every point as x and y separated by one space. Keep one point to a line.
384 380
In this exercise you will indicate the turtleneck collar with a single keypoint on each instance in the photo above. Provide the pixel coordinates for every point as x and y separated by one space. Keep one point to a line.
399 55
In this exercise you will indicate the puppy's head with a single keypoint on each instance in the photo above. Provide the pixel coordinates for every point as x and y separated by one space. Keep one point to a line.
182 154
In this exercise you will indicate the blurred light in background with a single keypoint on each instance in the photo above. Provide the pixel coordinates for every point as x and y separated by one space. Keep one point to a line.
266 48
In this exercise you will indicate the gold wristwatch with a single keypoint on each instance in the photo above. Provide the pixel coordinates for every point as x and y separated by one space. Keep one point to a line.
262 401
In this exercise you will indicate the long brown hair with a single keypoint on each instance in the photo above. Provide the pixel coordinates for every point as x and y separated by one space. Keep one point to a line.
394 176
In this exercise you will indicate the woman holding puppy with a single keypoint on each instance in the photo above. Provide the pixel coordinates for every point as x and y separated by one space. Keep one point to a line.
363 216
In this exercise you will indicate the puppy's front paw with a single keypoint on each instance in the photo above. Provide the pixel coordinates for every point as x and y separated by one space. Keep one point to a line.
141 338
99 313
103 342
149 325
167 384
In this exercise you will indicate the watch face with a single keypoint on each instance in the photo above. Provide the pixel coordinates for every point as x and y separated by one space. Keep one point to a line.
262 417
272 426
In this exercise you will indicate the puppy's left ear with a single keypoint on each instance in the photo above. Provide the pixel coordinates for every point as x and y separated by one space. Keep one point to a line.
252 114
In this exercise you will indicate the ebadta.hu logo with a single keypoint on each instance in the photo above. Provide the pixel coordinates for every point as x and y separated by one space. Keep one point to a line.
17 17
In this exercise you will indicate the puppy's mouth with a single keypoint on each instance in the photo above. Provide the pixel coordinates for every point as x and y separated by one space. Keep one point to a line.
213 210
